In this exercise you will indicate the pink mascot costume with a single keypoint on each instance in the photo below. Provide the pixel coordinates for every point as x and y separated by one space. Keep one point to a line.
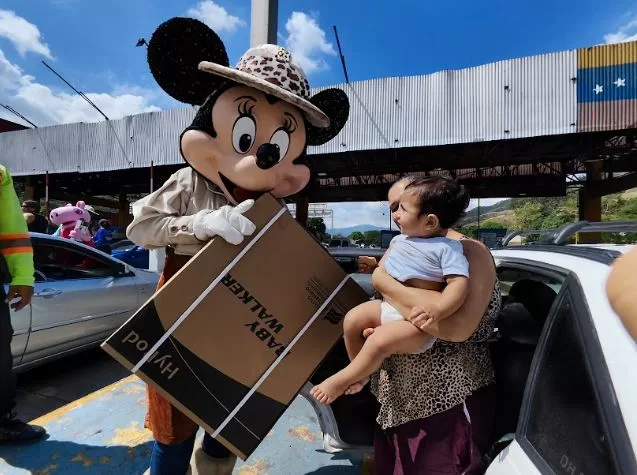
74 221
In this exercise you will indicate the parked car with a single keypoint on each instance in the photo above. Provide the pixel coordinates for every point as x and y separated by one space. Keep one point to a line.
81 296
564 364
129 252
340 242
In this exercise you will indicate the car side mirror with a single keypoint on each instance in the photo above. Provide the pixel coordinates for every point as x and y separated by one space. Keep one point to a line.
122 269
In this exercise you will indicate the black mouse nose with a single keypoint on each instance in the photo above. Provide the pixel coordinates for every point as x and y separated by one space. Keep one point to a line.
267 155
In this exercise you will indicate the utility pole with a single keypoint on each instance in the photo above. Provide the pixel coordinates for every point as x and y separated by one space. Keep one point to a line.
263 22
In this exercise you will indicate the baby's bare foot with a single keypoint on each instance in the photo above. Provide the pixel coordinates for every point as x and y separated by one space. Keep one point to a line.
356 387
329 390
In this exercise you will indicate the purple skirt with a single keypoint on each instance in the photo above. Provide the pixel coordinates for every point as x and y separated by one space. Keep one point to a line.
451 442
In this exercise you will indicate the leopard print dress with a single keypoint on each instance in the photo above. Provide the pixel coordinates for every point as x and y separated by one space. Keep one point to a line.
411 387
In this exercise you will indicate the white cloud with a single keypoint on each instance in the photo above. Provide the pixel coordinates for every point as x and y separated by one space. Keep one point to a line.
626 32
45 106
25 36
215 16
307 42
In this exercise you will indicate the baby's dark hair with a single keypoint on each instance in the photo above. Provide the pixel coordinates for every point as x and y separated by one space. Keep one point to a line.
442 196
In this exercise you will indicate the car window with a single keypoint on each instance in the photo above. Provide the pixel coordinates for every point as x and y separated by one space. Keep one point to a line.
564 422
510 275
62 263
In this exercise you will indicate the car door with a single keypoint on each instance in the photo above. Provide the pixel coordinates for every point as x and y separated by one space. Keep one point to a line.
80 296
21 323
570 422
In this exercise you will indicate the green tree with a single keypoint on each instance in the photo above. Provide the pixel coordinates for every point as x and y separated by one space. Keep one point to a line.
492 224
356 236
559 217
470 230
372 237
317 227
529 215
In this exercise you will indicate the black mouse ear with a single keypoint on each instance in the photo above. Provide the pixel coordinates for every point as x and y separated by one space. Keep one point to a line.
174 52
335 104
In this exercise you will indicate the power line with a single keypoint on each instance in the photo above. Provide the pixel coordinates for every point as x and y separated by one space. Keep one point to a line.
340 53
79 93
15 112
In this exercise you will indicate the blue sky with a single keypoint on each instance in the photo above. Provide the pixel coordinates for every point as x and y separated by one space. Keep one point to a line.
92 44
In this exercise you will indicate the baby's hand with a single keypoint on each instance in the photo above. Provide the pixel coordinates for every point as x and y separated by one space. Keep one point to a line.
425 315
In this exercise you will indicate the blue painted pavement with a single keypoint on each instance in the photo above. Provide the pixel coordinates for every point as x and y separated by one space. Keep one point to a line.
103 433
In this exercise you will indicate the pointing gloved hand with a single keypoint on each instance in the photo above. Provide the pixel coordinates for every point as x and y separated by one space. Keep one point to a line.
227 222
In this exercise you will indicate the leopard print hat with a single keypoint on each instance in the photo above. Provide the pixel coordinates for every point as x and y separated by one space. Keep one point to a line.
189 60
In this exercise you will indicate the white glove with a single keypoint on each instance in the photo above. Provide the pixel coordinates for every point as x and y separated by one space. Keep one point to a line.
227 222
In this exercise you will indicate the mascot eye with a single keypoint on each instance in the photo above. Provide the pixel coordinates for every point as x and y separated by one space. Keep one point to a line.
243 133
281 139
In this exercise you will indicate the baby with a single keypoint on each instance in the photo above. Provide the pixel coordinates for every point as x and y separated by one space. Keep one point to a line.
421 256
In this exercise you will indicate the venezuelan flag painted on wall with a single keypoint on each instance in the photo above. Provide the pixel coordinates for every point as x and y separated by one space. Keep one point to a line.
607 87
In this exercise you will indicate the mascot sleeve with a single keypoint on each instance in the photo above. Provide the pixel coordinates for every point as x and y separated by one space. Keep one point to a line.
158 219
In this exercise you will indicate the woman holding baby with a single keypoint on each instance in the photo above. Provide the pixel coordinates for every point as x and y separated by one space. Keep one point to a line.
425 343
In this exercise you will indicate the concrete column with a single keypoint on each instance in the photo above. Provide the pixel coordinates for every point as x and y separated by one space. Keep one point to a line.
263 22
590 206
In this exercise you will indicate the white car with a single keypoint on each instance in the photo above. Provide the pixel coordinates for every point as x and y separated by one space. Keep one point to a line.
566 370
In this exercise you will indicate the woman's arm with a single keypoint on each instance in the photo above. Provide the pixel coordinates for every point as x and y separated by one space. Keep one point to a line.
461 325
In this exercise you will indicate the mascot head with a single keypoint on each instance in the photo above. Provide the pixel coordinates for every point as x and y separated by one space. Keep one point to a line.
68 215
254 122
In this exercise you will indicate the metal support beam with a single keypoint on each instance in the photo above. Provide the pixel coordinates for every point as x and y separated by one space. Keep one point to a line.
302 208
73 198
263 22
599 188
124 216
590 203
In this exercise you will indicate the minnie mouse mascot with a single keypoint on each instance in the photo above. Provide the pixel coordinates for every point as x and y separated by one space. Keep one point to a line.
248 137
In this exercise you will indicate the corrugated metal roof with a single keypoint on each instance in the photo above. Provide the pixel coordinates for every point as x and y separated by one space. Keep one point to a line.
524 97
508 99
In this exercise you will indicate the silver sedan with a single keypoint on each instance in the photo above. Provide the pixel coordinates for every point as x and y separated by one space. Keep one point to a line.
81 296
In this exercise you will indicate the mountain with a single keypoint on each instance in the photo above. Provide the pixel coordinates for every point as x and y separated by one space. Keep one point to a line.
360 228
501 208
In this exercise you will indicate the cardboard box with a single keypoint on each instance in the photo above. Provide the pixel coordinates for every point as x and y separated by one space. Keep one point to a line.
233 337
